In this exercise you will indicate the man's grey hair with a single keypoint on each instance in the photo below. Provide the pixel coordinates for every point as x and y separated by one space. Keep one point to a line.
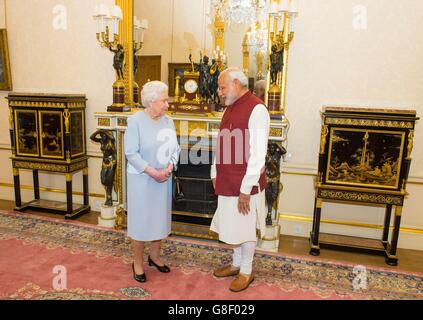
261 84
236 73
152 91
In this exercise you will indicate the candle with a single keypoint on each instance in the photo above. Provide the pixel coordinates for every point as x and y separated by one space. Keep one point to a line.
273 8
284 6
144 24
102 10
97 18
104 13
292 24
96 11
117 12
293 8
102 27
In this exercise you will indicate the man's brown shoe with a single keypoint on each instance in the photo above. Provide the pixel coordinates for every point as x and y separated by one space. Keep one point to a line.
241 282
226 271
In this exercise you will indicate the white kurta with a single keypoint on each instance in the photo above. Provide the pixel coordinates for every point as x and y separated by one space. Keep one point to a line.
232 226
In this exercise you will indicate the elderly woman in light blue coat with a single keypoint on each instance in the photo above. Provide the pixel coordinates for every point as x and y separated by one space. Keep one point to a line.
152 151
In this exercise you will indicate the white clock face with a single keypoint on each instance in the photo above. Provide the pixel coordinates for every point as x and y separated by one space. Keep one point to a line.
191 86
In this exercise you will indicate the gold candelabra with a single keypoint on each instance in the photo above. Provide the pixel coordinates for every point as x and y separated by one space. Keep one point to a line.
108 36
107 25
281 33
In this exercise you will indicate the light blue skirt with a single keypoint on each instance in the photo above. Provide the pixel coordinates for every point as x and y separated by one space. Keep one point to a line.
149 207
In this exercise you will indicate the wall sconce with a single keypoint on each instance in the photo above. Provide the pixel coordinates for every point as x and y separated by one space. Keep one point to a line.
108 36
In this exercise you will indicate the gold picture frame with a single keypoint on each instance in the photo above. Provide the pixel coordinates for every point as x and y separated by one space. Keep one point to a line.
5 75
174 70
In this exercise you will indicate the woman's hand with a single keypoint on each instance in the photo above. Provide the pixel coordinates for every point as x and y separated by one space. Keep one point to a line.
161 175
158 175
169 170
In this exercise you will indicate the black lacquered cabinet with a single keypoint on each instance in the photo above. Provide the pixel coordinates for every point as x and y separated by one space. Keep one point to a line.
364 158
47 133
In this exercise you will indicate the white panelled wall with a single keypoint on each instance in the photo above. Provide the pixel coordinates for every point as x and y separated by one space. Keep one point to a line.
358 53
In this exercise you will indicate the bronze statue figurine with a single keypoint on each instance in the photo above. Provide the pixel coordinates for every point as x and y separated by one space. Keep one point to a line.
118 60
276 63
214 76
108 168
204 69
273 185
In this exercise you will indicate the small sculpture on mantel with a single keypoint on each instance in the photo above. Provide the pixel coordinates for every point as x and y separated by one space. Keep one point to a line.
273 184
204 69
108 167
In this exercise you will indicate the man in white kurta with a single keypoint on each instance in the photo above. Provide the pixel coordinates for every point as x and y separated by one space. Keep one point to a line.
239 213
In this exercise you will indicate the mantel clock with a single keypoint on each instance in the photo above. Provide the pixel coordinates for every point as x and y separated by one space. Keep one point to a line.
190 101
191 86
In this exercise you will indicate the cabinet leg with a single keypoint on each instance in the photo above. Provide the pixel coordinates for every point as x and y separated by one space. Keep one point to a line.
392 259
85 186
315 249
36 184
387 222
17 185
68 193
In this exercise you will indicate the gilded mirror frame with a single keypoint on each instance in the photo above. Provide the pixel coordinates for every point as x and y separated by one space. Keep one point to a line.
126 39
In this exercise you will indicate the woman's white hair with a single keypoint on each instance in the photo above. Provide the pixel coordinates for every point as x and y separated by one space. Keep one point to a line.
236 73
152 91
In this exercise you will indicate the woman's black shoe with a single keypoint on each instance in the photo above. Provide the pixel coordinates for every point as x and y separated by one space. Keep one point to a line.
163 268
138 277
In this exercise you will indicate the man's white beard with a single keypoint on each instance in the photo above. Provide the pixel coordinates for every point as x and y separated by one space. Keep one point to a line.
229 99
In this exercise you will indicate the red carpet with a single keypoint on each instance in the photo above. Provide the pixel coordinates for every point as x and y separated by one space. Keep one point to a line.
97 262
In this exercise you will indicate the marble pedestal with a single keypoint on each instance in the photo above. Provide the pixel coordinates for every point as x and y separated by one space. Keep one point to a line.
107 216
270 242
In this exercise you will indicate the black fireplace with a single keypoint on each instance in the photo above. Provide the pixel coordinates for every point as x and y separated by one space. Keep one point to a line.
194 200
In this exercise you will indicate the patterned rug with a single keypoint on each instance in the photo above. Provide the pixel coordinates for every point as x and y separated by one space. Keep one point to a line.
46 258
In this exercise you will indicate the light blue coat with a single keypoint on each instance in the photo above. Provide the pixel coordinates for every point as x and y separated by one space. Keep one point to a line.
152 143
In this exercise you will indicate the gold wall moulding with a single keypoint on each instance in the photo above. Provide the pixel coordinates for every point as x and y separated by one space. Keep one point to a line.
347 223
53 190
299 173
